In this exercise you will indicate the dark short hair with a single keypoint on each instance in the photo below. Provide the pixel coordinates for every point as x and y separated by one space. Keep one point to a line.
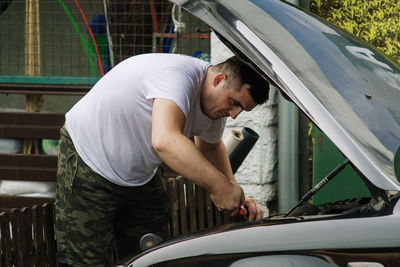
259 87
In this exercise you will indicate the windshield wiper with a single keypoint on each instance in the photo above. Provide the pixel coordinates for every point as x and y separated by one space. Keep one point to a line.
318 186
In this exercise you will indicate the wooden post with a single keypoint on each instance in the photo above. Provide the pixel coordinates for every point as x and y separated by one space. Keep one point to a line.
191 204
22 236
5 242
49 236
38 241
182 205
174 222
217 215
32 63
200 206
209 210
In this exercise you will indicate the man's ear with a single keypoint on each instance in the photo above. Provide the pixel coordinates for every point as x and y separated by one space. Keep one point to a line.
218 78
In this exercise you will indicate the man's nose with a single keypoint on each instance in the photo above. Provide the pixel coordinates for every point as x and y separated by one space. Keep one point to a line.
234 112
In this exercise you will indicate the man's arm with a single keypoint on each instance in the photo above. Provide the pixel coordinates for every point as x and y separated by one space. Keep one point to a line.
218 156
182 155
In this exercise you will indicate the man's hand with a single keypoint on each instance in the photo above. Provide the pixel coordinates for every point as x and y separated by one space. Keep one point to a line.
228 197
205 164
254 208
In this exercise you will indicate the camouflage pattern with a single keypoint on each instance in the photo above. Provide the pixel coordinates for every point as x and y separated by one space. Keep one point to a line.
94 216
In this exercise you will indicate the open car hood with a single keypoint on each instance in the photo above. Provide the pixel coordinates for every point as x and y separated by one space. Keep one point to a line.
345 87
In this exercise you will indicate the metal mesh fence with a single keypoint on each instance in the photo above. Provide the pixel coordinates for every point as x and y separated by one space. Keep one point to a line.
85 38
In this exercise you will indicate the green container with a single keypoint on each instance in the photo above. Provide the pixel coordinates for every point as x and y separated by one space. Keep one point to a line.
346 185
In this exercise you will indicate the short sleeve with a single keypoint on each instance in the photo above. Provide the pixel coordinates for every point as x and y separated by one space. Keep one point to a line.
170 83
215 131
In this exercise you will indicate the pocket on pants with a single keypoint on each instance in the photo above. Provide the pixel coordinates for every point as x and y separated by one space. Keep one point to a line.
71 168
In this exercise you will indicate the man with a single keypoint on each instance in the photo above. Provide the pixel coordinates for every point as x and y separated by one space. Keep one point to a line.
143 113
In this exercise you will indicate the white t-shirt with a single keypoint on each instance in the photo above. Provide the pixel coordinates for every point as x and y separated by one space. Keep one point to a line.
111 125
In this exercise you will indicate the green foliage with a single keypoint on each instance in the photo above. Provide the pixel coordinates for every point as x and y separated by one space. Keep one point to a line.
375 21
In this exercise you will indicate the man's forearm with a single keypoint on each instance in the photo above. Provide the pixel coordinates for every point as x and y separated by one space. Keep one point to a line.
181 154
219 157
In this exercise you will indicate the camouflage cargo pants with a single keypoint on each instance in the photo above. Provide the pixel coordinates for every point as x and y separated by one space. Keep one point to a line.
93 214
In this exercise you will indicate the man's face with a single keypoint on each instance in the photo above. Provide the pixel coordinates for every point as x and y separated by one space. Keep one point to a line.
227 98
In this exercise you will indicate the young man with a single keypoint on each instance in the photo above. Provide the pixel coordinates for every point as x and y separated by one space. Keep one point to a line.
143 113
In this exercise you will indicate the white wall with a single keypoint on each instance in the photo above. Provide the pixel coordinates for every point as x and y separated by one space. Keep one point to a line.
258 172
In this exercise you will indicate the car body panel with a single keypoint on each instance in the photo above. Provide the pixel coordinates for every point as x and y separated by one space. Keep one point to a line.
353 236
344 86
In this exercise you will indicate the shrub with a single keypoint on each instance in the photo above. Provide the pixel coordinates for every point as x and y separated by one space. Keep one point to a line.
375 21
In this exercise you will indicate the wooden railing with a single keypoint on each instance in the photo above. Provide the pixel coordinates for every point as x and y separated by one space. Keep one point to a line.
28 167
33 126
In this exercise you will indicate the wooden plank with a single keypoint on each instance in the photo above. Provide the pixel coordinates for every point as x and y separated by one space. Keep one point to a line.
28 167
22 235
172 191
47 90
35 174
182 205
32 118
49 236
191 205
38 240
217 215
9 202
21 160
209 210
14 234
5 240
31 125
29 132
27 236
200 206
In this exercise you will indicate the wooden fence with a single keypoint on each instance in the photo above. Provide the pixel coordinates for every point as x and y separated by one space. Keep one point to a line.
27 234
192 208
27 237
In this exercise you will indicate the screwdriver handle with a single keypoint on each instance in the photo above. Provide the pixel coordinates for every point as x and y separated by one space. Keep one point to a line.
243 211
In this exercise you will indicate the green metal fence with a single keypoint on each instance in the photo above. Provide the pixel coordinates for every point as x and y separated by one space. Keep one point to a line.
85 38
